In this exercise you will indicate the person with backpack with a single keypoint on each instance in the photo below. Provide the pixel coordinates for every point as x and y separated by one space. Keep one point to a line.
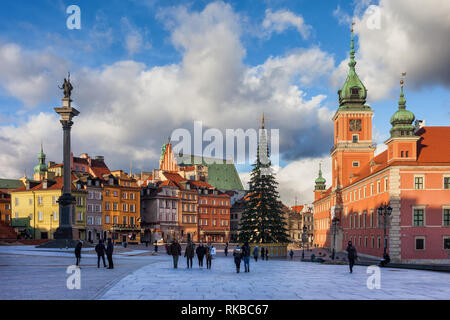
255 253
189 253
237 253
175 251
200 251
352 255
78 252
100 249
109 253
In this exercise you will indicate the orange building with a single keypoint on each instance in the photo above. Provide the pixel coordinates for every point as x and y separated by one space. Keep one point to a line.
395 202
121 208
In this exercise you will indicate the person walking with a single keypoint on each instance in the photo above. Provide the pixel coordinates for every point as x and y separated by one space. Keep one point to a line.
156 246
226 250
175 251
100 249
263 251
189 253
237 253
352 255
291 253
208 253
109 253
246 256
267 253
78 252
200 251
255 253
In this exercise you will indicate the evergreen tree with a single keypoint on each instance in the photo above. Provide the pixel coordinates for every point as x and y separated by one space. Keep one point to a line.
263 220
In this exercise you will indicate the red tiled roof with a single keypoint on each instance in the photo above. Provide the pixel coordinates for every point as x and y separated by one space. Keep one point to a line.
80 160
202 184
297 208
175 178
57 184
190 168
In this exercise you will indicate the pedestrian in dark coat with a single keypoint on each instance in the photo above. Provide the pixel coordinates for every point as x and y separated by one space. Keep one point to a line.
100 249
189 253
209 255
200 251
255 253
109 253
78 252
291 253
156 246
246 256
267 253
226 250
175 251
237 253
263 251
352 255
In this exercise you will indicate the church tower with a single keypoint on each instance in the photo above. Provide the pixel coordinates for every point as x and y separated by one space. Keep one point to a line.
167 161
40 170
320 185
402 145
353 145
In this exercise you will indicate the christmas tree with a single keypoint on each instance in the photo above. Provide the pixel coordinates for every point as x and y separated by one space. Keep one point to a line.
262 220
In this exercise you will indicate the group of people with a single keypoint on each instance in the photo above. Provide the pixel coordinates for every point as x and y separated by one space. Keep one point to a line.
202 251
101 251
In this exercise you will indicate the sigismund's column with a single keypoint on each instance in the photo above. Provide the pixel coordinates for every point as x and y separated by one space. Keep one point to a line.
66 201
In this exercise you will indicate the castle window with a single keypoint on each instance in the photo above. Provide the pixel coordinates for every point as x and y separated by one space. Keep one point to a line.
418 183
355 138
446 182
401 154
355 163
406 154
354 91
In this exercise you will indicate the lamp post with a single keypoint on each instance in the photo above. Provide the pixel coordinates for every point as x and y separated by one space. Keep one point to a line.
51 218
304 239
385 211
334 222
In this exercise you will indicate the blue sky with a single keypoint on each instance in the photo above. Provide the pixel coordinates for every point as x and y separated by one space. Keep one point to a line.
36 32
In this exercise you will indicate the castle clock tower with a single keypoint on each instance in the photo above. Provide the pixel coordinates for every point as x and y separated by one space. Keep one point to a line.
353 145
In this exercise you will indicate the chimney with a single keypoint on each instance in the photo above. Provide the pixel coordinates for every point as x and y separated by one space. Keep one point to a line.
100 158
28 185
44 184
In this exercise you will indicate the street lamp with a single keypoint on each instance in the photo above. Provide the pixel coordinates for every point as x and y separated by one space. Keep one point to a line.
335 222
385 211
304 239
51 218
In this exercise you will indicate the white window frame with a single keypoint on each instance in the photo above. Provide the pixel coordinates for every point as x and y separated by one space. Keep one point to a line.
424 243
423 181
420 207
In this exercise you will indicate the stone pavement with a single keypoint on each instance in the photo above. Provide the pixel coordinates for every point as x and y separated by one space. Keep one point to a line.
275 279
29 273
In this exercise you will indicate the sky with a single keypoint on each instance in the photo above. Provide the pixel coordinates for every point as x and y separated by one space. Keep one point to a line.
143 68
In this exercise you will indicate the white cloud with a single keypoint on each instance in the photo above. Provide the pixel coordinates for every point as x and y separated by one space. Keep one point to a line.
128 109
281 20
30 76
297 179
410 38
134 39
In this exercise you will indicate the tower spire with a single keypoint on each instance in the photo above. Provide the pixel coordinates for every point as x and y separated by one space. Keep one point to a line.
352 61
402 119
263 121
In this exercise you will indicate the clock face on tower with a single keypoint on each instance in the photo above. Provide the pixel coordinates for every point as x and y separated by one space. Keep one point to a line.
355 124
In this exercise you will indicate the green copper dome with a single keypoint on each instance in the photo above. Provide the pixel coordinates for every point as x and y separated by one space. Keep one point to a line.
41 167
402 120
320 181
353 93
